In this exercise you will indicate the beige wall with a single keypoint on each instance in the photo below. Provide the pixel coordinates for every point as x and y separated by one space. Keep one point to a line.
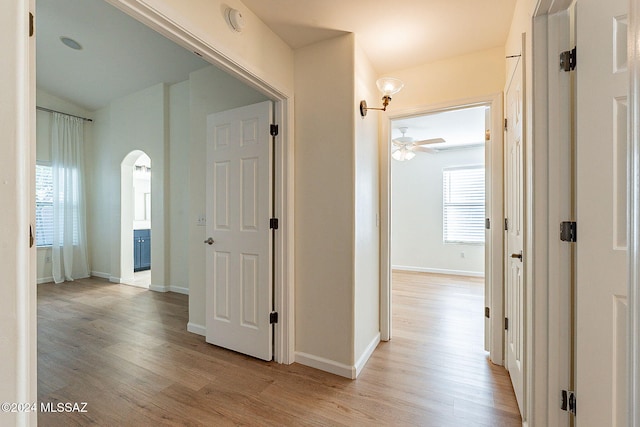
366 216
457 78
324 200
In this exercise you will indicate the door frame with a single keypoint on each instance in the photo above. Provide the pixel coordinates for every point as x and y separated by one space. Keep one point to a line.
493 160
283 350
633 216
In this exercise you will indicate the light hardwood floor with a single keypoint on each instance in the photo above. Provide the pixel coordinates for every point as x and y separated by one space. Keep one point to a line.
126 352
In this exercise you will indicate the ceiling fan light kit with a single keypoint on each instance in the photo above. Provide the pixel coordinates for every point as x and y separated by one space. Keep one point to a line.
388 86
404 147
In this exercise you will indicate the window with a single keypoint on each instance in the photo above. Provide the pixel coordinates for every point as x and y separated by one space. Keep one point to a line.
463 205
44 205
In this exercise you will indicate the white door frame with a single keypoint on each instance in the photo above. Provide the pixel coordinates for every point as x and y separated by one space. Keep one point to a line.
283 288
634 213
494 160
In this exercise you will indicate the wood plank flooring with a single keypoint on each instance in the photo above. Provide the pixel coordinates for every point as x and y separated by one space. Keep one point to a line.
126 352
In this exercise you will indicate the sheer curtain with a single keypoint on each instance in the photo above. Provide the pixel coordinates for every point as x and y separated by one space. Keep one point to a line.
69 245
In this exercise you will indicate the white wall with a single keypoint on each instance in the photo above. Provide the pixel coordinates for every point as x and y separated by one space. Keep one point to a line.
179 186
43 154
210 91
136 122
141 187
416 237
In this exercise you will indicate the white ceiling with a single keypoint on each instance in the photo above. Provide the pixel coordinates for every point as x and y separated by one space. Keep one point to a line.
119 56
395 34
464 127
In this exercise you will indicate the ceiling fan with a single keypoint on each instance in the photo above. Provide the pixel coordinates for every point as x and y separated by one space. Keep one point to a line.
405 148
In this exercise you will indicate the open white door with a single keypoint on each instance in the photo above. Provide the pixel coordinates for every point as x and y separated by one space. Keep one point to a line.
514 204
238 260
601 208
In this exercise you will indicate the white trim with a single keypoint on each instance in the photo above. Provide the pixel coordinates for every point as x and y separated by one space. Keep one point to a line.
194 328
179 290
494 159
155 288
42 280
326 365
284 248
101 275
438 271
633 233
114 279
362 361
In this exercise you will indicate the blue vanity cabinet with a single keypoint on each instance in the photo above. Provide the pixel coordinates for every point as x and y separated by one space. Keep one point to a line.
141 250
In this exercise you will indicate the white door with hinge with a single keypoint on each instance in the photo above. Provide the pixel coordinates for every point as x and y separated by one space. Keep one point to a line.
601 209
238 254
514 199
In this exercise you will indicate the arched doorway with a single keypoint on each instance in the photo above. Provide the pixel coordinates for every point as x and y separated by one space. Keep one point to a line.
135 219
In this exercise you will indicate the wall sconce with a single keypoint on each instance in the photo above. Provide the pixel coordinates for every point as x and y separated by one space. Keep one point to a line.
388 86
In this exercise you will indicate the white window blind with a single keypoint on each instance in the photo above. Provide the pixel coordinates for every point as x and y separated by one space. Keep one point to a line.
44 205
463 205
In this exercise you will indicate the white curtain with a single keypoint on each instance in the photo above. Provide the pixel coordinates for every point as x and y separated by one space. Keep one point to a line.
69 248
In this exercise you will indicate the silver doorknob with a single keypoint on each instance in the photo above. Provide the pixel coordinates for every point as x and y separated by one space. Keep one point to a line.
209 241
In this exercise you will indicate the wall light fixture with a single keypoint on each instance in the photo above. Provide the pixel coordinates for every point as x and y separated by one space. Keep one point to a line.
388 86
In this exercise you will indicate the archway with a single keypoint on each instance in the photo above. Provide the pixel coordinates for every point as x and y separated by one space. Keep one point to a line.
135 214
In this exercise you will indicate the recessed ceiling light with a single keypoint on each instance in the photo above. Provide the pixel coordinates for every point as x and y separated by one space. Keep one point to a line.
71 43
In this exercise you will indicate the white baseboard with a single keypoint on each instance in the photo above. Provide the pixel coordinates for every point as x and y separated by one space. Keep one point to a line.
159 288
197 329
45 280
101 275
114 279
438 271
367 354
326 365
179 290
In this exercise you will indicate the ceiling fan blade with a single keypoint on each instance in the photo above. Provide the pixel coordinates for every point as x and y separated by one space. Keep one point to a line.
422 149
429 141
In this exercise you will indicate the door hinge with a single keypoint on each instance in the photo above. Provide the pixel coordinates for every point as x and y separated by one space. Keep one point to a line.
568 401
568 60
487 223
273 130
31 26
273 223
273 317
568 231
506 323
505 124
506 224
487 312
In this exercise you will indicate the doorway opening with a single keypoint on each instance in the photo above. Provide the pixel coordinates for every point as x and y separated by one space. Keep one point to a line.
442 205
135 219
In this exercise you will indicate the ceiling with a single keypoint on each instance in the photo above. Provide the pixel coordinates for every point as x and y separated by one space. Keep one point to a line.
459 128
119 55
395 34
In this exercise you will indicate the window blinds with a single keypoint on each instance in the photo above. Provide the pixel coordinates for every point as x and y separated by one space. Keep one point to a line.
463 205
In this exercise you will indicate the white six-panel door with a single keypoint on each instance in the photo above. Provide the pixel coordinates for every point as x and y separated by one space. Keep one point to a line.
514 204
238 260
601 207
